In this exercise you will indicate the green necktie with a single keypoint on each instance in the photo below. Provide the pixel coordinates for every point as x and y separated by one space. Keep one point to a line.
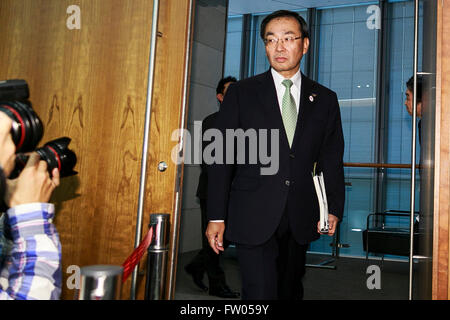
289 112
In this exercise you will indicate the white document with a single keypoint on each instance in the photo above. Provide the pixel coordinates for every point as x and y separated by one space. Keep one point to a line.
319 185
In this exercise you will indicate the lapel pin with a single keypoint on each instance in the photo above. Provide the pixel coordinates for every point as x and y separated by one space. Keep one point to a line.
311 98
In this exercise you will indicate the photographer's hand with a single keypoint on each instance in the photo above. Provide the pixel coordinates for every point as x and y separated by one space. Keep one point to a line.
7 147
33 184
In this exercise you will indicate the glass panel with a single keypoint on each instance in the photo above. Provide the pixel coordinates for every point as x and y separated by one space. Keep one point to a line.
347 64
401 54
233 47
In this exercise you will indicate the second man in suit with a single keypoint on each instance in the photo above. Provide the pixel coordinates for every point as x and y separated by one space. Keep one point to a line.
206 260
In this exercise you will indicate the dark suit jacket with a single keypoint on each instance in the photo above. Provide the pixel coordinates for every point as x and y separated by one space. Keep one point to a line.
253 204
202 188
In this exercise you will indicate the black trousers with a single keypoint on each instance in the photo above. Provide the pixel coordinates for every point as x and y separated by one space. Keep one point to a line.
273 270
207 260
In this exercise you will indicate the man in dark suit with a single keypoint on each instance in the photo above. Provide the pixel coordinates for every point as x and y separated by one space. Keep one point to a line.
273 218
206 260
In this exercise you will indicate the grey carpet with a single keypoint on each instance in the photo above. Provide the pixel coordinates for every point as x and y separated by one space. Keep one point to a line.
347 282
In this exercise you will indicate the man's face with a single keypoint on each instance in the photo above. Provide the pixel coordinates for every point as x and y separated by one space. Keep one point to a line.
285 57
409 104
221 96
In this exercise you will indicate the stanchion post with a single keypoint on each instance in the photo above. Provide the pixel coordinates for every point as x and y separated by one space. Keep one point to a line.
157 257
100 282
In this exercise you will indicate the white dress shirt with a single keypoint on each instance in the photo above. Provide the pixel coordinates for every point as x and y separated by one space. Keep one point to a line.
295 88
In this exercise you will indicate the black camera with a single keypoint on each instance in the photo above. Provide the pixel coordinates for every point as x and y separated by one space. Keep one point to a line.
27 130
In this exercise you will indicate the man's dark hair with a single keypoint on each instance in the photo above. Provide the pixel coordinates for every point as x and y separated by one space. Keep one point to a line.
283 14
410 86
223 82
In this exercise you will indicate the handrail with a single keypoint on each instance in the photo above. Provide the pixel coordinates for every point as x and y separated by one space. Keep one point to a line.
379 165
145 142
413 146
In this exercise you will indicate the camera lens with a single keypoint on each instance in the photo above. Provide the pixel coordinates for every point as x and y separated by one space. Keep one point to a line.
57 155
27 129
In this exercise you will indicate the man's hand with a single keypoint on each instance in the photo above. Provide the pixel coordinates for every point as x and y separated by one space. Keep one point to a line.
214 234
7 147
33 184
332 224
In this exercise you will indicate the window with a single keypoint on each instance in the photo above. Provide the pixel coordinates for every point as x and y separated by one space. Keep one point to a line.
347 64
400 51
233 47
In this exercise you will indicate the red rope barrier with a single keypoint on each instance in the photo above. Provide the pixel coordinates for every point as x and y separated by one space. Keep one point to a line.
137 254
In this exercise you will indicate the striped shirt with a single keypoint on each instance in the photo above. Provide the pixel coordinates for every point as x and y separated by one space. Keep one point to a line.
30 268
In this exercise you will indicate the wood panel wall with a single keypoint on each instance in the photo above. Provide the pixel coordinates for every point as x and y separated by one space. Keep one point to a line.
90 84
441 254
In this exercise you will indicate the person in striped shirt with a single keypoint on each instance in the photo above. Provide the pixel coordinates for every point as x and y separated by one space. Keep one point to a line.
30 250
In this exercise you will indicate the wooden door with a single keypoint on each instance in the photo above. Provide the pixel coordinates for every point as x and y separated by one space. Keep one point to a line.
86 63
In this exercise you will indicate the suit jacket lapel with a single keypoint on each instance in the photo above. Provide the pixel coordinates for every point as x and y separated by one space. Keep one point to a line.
268 97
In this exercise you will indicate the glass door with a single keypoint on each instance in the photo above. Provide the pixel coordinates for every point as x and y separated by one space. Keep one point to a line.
423 241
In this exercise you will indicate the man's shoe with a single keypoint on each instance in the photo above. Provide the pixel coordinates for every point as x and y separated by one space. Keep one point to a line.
223 292
197 277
